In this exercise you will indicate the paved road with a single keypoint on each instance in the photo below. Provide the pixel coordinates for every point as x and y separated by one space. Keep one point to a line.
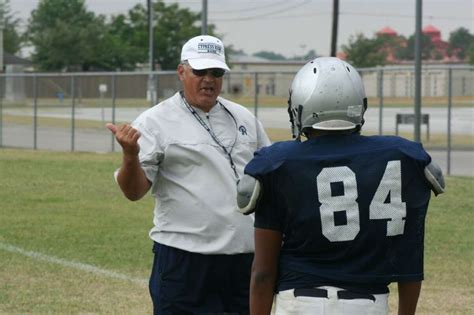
461 121
60 139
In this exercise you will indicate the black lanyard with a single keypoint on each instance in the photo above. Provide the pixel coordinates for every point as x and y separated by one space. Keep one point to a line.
213 135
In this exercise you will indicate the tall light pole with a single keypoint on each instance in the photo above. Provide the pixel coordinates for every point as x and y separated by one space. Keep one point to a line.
417 136
335 21
2 26
151 46
204 18
151 93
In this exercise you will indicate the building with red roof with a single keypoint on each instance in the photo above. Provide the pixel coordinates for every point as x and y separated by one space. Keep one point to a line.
387 31
440 52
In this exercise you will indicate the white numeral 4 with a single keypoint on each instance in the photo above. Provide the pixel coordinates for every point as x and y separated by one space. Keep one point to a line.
390 187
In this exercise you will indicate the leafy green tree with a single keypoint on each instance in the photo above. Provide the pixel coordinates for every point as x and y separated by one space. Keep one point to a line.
427 48
471 54
173 27
12 39
131 32
64 35
364 52
269 55
392 46
115 50
460 41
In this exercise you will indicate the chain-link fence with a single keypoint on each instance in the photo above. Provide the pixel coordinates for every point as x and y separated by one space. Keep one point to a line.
68 111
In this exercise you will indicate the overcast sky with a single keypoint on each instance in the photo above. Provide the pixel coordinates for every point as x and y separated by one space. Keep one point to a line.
293 27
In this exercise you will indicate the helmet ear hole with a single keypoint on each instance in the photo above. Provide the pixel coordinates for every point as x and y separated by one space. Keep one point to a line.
315 70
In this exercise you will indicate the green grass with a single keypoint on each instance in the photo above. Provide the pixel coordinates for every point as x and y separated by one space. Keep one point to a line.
67 205
448 286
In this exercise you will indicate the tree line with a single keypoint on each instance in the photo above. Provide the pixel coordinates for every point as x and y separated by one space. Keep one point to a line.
65 36
369 52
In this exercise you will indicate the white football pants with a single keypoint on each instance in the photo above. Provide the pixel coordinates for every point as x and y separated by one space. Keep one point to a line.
286 303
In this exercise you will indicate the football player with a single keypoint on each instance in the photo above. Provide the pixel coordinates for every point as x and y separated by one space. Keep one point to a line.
340 216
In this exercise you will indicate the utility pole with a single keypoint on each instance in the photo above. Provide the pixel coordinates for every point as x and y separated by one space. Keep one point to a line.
417 136
151 94
204 18
2 27
335 18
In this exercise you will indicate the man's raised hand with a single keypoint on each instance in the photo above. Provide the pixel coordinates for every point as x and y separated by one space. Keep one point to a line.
127 137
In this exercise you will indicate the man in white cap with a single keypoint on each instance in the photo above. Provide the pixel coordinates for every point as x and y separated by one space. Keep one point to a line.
190 150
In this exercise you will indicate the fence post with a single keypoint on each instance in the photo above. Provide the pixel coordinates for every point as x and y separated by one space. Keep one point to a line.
2 84
450 105
152 90
73 113
380 92
35 115
114 96
256 94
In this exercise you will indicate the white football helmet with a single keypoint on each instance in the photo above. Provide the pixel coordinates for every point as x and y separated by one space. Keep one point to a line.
326 94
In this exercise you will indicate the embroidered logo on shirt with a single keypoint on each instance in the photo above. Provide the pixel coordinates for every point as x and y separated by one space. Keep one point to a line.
243 130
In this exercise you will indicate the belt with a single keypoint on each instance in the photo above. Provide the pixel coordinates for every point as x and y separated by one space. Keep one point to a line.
323 293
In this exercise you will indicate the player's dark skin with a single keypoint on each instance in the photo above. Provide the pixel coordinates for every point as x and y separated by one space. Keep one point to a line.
265 267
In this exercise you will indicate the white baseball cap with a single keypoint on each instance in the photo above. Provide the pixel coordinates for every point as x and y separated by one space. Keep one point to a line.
204 52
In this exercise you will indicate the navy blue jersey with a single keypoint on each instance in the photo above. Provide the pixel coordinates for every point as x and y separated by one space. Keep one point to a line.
351 209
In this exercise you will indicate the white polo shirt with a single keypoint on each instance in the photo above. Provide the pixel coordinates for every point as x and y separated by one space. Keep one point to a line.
192 180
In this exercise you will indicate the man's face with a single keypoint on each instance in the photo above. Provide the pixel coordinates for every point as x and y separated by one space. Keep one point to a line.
200 91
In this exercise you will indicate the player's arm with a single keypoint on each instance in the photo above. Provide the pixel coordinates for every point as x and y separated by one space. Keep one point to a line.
264 270
131 177
408 293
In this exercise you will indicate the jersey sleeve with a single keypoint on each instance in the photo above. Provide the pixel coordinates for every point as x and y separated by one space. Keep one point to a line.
423 160
270 210
416 151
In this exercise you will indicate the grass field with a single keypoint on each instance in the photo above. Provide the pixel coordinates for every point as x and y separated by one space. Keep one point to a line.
70 243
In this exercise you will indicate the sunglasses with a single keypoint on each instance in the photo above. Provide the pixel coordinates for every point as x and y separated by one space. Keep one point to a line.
215 72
